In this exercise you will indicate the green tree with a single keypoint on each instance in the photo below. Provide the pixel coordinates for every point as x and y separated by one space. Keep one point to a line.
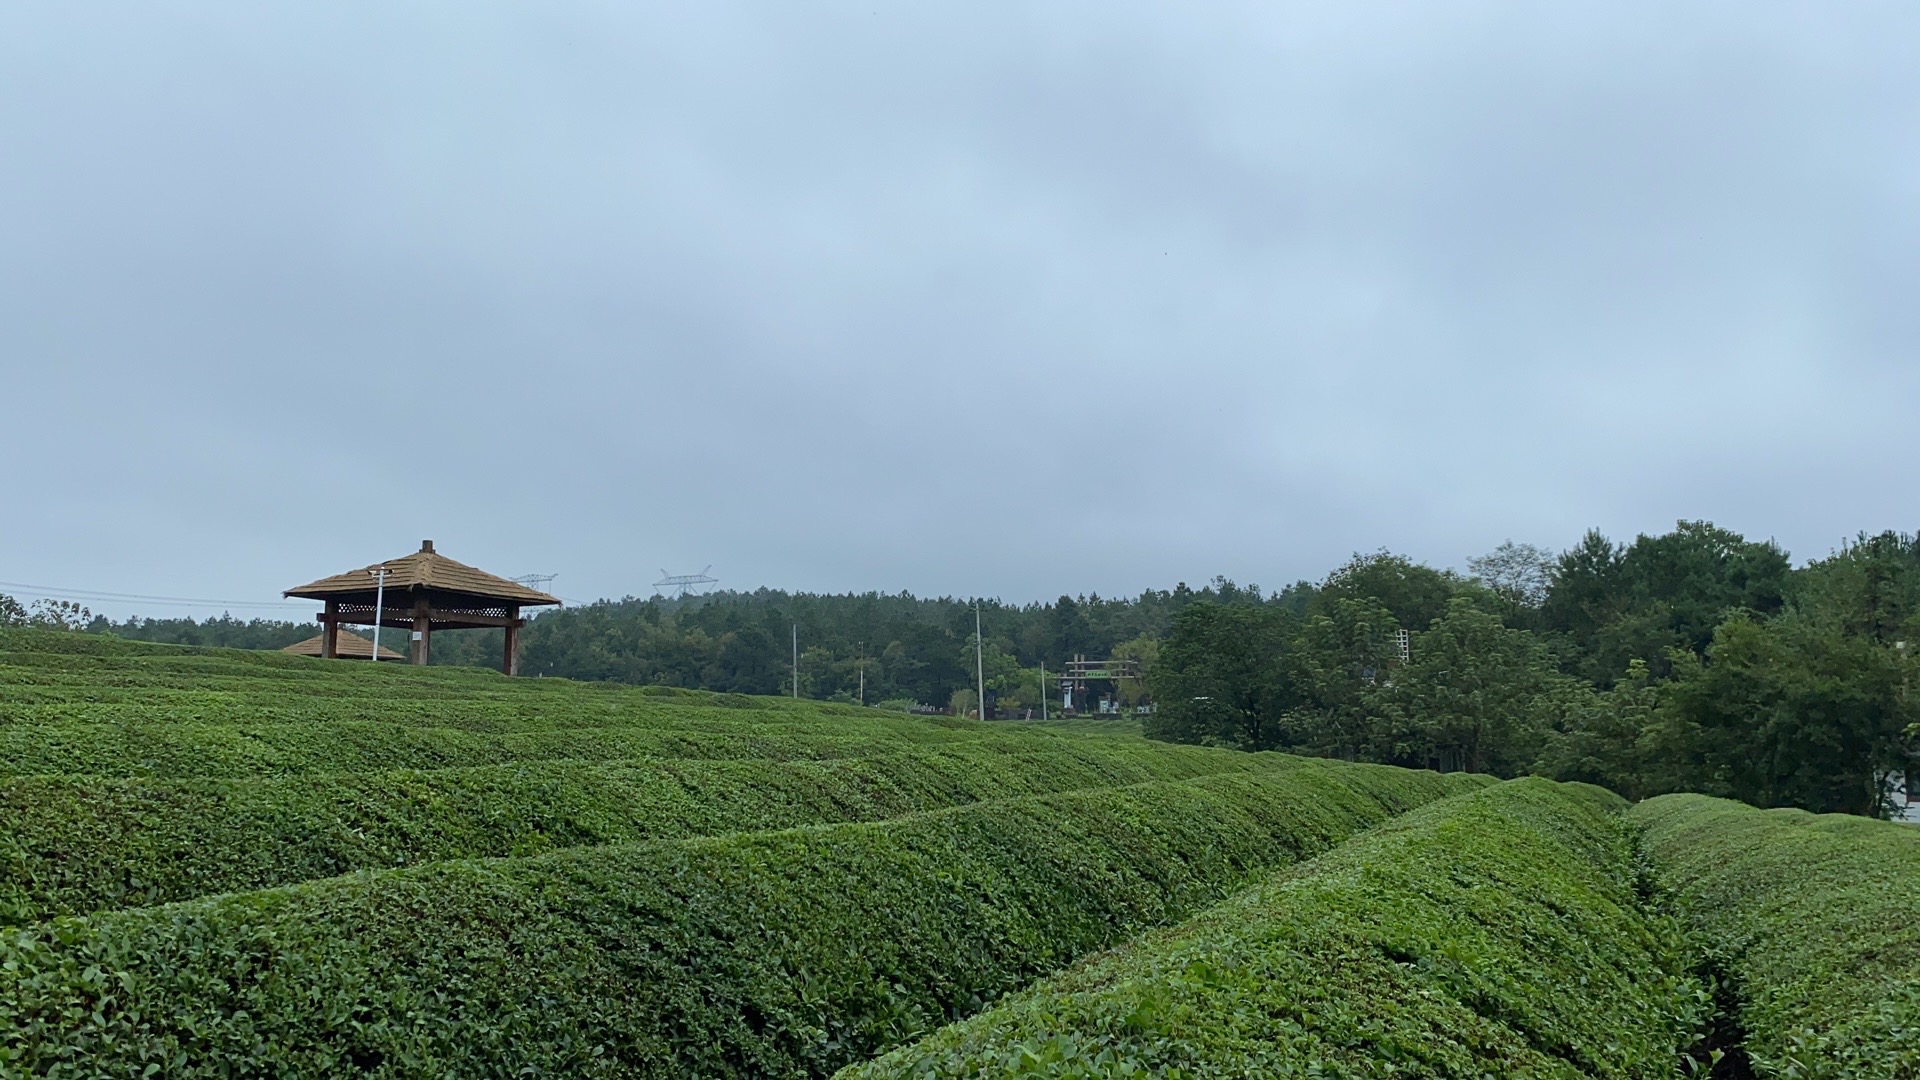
1144 651
1789 712
1521 574
1008 683
1222 677
821 675
1610 739
1869 588
1476 696
1585 596
1615 605
59 615
1344 649
1416 594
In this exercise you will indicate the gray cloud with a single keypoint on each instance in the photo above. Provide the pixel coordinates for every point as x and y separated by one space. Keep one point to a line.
1003 299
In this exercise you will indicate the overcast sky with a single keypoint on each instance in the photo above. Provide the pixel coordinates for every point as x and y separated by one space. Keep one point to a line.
971 298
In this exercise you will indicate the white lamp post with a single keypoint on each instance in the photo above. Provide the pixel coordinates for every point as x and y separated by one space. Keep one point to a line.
379 601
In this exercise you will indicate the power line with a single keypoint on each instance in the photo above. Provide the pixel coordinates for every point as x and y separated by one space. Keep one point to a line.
100 596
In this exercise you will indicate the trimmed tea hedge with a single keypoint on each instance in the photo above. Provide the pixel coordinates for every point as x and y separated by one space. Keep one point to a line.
1493 934
113 683
351 693
1817 921
174 750
78 845
73 705
56 676
764 954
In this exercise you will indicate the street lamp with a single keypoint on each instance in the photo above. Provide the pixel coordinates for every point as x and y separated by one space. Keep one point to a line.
379 601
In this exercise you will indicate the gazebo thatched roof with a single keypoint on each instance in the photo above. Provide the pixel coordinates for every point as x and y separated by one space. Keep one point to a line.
351 646
425 570
423 592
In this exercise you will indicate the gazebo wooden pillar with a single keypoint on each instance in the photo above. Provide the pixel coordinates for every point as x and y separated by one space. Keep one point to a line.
330 631
425 591
423 630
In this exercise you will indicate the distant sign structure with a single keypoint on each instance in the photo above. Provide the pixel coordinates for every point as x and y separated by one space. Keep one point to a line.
1113 670
1074 689
683 584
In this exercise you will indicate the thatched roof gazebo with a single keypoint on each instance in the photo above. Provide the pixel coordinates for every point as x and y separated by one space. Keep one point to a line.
347 646
425 591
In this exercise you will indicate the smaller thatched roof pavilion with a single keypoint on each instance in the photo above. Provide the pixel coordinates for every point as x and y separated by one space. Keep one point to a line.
423 592
347 646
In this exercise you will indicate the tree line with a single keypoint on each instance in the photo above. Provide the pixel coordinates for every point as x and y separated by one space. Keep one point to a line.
902 649
1691 660
1696 660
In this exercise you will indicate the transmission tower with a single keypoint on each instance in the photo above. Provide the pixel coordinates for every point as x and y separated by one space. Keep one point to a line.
682 584
536 581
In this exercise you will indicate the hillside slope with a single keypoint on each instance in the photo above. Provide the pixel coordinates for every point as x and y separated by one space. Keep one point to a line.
219 863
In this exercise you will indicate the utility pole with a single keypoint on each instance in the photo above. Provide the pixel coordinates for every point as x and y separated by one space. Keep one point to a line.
1907 774
980 659
796 661
863 673
1043 689
379 601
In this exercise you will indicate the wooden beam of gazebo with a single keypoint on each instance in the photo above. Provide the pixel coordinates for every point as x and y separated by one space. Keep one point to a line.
425 591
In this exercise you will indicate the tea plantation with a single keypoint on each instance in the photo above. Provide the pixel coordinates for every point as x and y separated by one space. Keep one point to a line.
1493 934
1815 919
217 863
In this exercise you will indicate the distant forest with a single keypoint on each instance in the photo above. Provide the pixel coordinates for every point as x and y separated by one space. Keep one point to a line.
1692 660
911 649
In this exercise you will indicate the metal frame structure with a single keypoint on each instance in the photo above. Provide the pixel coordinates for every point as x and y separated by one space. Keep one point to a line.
684 583
1081 671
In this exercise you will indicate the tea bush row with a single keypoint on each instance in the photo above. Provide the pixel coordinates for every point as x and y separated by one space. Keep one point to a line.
492 720
502 708
73 845
181 750
81 666
1493 934
640 706
1816 919
762 954
119 681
